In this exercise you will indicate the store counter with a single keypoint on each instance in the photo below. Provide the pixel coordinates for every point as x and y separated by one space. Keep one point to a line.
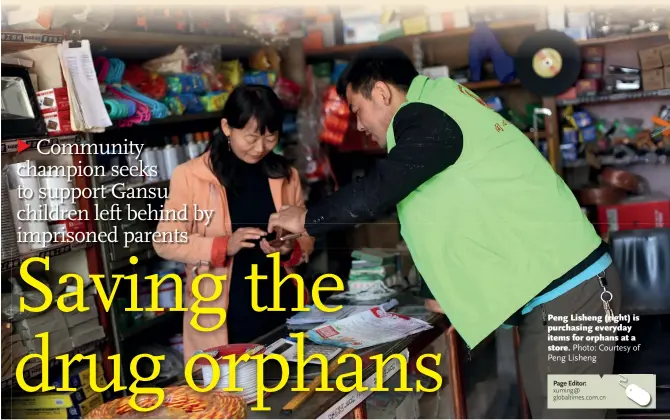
337 404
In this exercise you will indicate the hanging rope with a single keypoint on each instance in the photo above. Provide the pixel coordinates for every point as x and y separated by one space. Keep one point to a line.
158 109
142 113
115 73
101 65
119 108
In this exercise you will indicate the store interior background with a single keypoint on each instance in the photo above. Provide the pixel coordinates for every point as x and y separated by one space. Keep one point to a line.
299 51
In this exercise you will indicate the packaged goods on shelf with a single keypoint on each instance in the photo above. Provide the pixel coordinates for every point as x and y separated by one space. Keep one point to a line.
75 318
86 332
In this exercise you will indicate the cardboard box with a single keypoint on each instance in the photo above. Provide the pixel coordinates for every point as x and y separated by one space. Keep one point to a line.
75 318
640 213
52 100
59 343
85 337
67 411
666 76
80 376
58 122
650 58
50 321
665 55
652 80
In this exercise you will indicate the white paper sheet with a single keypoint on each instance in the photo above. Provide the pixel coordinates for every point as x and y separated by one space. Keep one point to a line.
87 111
366 329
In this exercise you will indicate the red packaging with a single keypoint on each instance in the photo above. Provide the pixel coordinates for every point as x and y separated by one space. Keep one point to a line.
58 122
335 118
52 100
592 70
587 87
593 53
70 227
639 213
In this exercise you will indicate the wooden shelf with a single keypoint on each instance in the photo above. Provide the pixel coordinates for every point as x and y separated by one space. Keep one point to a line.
50 251
615 97
429 36
531 135
155 39
622 38
11 145
20 40
172 119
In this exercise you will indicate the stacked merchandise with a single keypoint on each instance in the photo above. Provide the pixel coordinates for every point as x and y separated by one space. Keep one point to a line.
373 274
66 331
370 266
60 219
356 24
55 108
13 350
10 248
65 404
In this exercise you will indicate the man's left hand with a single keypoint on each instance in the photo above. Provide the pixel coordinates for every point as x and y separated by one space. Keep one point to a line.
433 306
290 219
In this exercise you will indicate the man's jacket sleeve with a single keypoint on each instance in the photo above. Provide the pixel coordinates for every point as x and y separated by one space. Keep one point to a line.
428 141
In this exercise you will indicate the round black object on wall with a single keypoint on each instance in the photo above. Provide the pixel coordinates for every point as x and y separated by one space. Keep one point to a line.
548 63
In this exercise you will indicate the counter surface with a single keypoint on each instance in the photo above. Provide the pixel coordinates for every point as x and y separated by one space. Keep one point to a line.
320 402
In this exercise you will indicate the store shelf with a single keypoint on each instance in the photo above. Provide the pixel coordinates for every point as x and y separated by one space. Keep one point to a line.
51 251
17 40
490 84
172 119
616 97
10 146
142 256
622 38
33 37
152 323
150 39
429 36
531 135
37 371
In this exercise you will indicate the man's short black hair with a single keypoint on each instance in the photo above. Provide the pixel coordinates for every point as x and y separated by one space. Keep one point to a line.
380 63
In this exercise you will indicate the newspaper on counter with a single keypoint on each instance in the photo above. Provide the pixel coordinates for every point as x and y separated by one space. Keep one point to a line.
317 316
366 329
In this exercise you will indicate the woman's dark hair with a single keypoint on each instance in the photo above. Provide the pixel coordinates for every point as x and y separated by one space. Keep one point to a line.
245 103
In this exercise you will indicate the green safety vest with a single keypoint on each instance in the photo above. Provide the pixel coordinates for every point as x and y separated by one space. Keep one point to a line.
490 232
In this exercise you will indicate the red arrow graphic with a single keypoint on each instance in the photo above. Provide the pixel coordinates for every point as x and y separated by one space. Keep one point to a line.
21 146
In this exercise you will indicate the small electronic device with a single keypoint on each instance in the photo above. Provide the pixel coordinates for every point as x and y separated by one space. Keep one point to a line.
276 243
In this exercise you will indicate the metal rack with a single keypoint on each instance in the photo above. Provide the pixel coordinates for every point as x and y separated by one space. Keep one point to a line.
93 256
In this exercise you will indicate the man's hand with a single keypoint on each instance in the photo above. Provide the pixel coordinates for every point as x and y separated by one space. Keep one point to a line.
433 306
290 219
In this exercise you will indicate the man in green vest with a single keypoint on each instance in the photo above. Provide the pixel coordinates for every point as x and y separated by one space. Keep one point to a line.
497 235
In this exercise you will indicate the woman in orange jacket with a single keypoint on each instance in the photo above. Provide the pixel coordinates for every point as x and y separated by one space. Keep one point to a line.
243 182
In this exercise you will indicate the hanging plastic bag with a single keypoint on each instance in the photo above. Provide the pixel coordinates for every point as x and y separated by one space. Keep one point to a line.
335 118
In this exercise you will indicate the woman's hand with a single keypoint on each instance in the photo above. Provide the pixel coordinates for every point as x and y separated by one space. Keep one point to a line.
241 237
285 248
